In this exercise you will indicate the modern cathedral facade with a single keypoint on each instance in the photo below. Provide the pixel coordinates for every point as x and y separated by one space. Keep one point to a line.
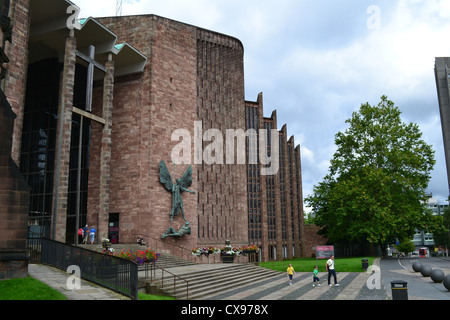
100 104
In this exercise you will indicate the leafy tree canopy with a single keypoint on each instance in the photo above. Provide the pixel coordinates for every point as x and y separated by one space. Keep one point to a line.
405 246
442 237
377 180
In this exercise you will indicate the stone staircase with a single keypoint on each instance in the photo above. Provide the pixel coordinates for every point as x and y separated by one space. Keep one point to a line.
167 261
209 280
203 280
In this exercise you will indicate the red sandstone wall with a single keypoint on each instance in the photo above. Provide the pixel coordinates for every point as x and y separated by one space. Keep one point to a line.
312 239
14 191
15 82
147 109
14 202
171 95
222 209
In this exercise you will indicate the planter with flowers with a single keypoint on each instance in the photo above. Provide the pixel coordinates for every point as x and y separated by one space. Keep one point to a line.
204 251
109 268
228 253
106 244
139 256
249 250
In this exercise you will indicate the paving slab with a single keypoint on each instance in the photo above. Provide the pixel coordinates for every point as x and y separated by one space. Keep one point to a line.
353 286
57 279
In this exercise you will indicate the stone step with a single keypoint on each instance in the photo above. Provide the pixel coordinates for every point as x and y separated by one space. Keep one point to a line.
165 263
218 282
221 273
191 273
203 283
208 290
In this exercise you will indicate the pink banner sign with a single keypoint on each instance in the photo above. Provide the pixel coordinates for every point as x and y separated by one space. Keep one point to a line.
324 252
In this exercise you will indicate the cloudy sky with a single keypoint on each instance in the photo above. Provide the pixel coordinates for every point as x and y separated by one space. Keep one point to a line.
317 61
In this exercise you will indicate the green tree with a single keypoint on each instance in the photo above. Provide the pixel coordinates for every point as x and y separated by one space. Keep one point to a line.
406 246
377 180
442 237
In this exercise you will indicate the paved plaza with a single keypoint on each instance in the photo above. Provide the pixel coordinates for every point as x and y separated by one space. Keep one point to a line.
352 285
419 287
57 279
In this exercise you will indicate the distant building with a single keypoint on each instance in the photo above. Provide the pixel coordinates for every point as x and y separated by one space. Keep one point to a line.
442 74
425 239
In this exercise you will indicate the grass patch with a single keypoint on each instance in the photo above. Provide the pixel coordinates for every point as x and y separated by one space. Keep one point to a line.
28 289
308 264
32 289
143 296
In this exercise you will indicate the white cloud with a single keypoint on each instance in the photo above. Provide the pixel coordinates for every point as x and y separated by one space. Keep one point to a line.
203 11
397 57
307 154
316 62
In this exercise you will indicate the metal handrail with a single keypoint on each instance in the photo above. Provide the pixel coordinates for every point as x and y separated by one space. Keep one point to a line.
153 274
115 273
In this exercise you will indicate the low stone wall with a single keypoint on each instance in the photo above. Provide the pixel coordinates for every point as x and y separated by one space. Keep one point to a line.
312 239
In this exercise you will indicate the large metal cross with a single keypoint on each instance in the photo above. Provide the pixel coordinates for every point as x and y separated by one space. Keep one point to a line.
92 64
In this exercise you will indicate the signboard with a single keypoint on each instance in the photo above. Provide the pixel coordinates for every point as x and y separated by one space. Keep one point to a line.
324 252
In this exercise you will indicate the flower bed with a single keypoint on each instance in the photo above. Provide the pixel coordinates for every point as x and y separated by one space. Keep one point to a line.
199 251
225 251
139 256
249 249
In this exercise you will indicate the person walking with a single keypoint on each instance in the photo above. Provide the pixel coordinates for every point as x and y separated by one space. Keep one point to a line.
92 234
85 234
290 273
140 241
80 235
316 277
331 271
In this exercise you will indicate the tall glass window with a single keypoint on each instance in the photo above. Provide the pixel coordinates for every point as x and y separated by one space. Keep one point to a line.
39 145
39 139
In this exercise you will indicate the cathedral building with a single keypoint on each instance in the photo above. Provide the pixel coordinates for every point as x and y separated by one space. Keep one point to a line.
106 106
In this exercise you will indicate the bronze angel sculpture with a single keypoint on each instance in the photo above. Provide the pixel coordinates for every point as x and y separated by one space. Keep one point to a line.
176 187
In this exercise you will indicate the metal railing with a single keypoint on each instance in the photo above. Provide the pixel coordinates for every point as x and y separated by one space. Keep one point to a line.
114 273
172 276
34 247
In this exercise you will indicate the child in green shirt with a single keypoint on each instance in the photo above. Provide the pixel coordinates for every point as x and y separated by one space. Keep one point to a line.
316 277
